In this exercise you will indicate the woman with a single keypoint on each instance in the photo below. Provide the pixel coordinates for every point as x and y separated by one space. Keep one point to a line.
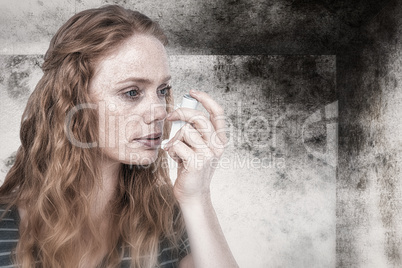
90 186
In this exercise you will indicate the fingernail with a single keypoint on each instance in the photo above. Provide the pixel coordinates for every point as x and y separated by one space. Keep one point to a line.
169 115
193 91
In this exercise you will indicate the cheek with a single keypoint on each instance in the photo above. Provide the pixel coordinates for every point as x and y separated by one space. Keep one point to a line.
117 131
115 124
131 127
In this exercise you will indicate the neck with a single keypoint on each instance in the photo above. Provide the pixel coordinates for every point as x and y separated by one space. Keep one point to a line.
105 192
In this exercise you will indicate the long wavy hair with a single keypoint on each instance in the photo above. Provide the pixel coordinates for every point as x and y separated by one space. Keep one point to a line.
54 181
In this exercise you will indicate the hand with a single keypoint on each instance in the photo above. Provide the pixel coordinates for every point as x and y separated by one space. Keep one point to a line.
197 147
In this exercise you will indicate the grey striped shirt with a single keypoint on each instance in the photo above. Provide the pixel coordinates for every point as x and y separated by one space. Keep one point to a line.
9 237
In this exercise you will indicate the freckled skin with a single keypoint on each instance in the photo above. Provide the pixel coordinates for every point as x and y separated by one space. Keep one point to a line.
124 118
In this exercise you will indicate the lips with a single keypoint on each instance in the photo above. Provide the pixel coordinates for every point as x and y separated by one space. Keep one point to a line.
151 140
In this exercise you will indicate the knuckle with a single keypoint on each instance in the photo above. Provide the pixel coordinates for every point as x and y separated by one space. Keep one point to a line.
200 117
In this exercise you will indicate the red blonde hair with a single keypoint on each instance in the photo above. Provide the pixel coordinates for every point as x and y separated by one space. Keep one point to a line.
53 180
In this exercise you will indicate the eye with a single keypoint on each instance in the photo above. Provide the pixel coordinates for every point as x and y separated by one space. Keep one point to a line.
132 94
165 91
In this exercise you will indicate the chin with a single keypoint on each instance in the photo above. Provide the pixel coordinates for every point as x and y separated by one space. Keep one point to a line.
142 158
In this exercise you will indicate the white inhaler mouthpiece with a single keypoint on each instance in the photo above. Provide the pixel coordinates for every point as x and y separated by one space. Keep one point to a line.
187 102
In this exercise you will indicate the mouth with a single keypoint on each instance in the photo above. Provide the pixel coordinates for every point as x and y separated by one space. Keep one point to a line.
152 140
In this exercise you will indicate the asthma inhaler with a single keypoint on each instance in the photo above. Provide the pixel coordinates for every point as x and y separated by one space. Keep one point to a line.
187 102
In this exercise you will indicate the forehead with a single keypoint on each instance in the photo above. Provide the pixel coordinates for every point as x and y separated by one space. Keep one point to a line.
141 56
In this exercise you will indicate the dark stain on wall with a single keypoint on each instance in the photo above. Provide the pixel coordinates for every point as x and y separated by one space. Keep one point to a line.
226 72
285 91
316 136
116 2
9 161
361 69
272 27
389 204
17 86
320 27
298 80
16 72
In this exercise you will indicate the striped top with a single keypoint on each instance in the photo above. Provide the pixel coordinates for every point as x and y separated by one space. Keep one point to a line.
9 237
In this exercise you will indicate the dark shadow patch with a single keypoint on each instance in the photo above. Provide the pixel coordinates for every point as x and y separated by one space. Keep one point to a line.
115 2
240 27
389 205
16 61
361 69
9 162
19 68
315 137
257 67
17 86
295 80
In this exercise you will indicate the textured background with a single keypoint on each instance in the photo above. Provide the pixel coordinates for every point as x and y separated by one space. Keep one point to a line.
282 69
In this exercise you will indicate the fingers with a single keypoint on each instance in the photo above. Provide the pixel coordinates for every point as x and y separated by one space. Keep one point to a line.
192 137
179 151
189 147
212 129
196 118
216 112
202 138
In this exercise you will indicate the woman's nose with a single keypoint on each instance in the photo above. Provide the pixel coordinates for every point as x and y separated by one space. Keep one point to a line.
156 110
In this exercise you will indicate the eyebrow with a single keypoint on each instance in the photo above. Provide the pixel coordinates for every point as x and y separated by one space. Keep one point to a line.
142 80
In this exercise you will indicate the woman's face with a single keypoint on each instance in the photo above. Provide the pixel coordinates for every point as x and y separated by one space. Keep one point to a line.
130 87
